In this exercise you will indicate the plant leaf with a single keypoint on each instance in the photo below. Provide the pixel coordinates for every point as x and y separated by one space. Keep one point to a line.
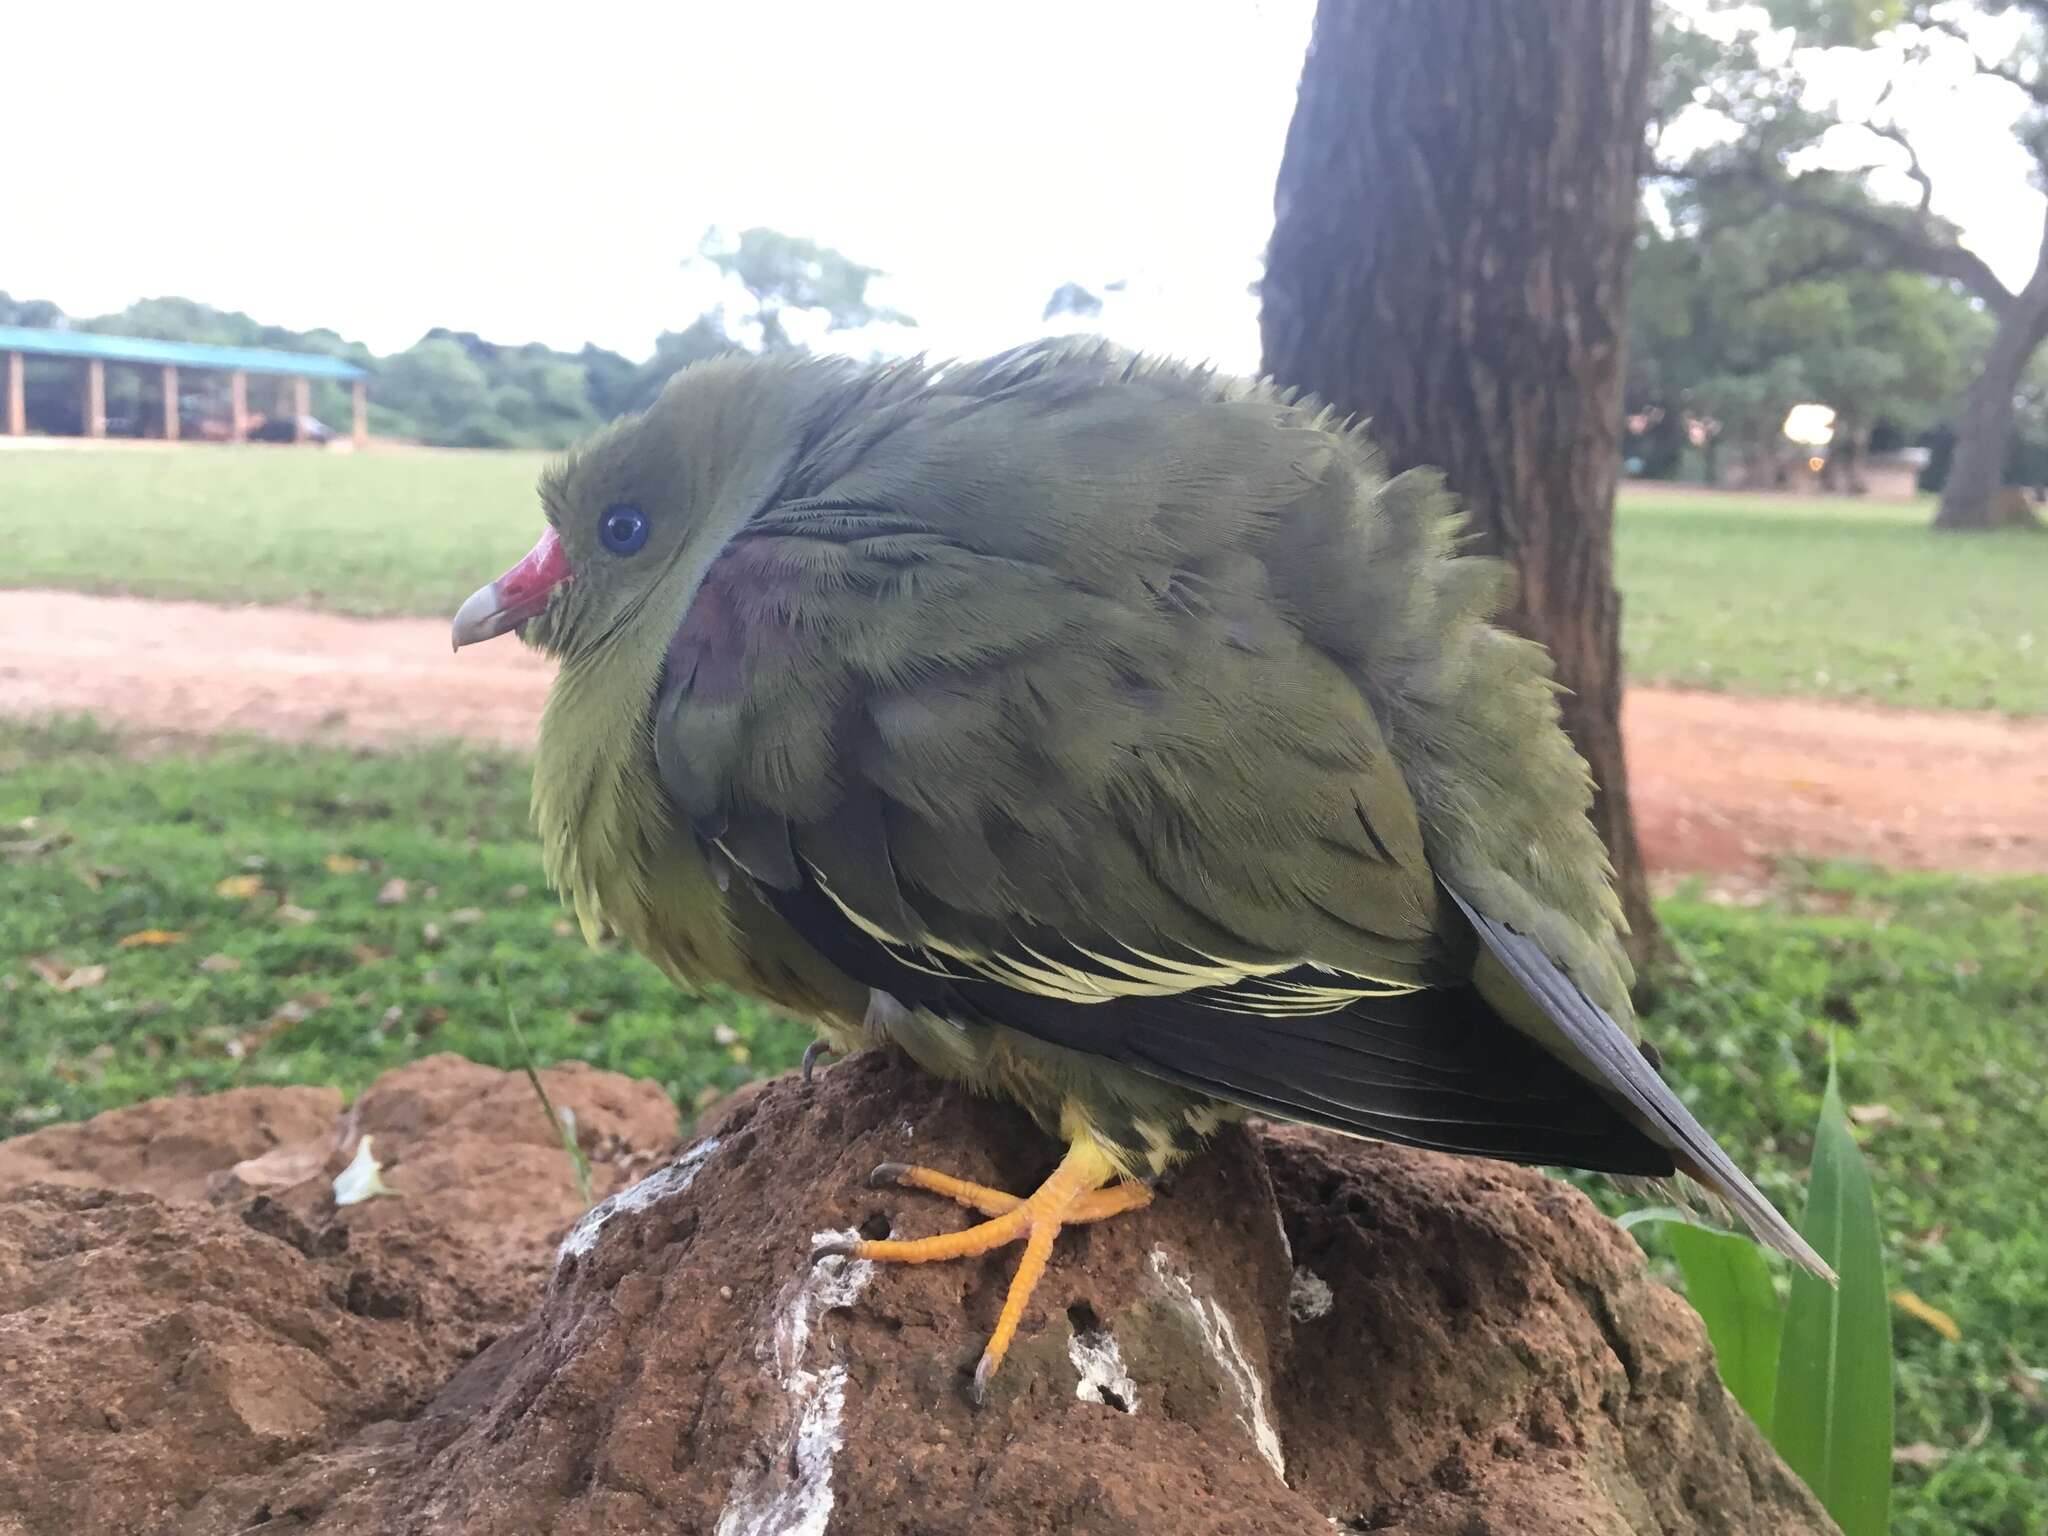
1642 1215
1729 1284
564 1119
1833 1413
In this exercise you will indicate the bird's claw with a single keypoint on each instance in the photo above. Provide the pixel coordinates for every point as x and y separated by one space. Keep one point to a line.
812 1052
887 1175
977 1392
835 1248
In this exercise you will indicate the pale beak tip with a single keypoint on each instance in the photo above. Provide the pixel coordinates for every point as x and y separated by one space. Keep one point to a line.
480 617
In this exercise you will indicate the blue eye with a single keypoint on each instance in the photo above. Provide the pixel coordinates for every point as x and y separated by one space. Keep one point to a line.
622 530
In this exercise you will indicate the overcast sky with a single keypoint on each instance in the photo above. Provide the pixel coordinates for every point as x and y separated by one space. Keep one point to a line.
381 169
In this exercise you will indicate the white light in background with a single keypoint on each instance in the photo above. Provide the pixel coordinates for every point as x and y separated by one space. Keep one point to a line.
1810 425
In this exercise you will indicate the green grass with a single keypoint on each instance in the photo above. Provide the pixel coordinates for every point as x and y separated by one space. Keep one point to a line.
1760 594
1935 987
366 533
1831 599
121 846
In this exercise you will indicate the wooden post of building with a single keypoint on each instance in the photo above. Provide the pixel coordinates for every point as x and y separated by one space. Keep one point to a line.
17 398
238 407
359 395
302 407
95 397
170 402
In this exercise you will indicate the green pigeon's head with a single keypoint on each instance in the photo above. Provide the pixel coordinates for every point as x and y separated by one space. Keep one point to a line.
636 513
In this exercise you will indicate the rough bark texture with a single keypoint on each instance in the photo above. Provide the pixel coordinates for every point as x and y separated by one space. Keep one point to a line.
1970 497
1300 1333
1449 258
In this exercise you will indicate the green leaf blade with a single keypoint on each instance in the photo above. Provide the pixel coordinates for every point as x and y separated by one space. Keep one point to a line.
1833 1411
1729 1285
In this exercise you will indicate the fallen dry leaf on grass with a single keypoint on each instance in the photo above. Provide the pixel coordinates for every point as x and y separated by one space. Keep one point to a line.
2029 1381
23 841
150 938
1932 1316
393 892
239 887
288 1013
66 978
343 864
216 964
1918 1454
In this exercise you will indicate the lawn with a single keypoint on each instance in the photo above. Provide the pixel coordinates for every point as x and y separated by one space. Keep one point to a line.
278 950
1833 599
315 918
368 533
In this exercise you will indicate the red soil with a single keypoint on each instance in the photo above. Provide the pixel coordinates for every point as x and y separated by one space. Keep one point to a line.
1720 782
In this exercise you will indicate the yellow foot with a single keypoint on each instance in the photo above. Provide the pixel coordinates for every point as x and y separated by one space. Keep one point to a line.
1072 1196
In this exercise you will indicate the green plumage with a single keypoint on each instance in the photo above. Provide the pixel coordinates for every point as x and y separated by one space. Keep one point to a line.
1108 734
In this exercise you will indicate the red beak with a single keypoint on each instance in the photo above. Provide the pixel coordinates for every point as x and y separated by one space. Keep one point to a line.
514 597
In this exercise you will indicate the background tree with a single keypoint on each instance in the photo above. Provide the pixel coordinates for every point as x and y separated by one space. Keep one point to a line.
788 272
1072 299
455 388
1776 141
1455 213
1733 322
437 383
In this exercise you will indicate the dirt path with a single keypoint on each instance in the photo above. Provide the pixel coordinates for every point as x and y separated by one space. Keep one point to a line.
1720 781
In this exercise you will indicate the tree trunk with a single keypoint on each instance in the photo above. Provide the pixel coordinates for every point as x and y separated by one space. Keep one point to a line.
1455 214
1984 433
1759 463
1851 435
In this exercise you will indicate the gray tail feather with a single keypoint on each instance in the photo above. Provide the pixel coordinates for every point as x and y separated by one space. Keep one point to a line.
1607 1050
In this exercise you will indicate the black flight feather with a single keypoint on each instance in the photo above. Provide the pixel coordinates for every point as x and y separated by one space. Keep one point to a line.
1604 1049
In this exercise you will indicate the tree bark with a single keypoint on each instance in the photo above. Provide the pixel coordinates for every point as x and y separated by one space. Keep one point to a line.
1845 461
1970 500
1455 215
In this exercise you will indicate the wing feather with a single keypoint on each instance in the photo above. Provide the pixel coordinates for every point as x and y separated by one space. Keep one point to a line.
1603 1052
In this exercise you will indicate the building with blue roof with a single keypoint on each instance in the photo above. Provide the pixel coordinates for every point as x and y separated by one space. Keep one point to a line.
294 371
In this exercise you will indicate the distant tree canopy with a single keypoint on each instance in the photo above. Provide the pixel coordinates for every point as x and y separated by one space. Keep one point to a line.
1072 299
787 272
1734 322
1821 167
455 389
